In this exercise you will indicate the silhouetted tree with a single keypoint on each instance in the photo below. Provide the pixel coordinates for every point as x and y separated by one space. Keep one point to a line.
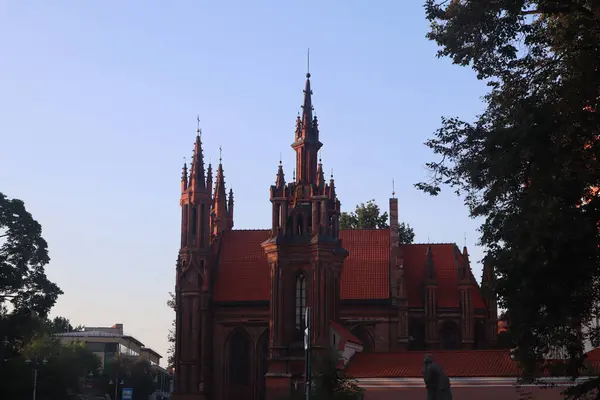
23 256
368 216
529 164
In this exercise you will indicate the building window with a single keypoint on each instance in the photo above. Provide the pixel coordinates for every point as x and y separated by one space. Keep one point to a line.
127 351
202 224
239 359
300 301
194 220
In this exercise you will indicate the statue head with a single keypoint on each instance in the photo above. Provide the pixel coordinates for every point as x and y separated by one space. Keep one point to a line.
428 359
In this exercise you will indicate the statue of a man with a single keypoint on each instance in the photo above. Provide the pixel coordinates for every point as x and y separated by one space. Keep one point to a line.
436 381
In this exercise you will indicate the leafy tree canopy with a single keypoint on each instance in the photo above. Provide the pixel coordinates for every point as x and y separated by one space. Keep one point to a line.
136 374
528 165
329 382
23 256
61 325
365 216
171 335
368 216
62 369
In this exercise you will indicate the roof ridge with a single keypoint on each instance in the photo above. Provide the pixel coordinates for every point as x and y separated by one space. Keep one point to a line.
433 351
250 230
365 229
431 243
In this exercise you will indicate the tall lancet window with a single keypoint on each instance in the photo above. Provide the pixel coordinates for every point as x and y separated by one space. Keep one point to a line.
300 301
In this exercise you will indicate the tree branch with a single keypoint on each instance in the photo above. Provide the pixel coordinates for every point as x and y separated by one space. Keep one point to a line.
561 9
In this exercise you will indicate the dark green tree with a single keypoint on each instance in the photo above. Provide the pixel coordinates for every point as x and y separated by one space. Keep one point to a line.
61 325
528 164
329 381
365 216
406 234
368 216
171 335
23 256
62 370
136 374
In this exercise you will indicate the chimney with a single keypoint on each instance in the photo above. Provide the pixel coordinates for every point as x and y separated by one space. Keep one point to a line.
119 328
394 222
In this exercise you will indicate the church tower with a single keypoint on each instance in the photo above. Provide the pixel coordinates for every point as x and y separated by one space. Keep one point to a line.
192 287
305 254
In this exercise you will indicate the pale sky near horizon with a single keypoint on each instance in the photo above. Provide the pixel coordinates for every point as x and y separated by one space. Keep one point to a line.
98 105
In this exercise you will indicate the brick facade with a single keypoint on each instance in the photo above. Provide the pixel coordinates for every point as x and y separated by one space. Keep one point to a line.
241 294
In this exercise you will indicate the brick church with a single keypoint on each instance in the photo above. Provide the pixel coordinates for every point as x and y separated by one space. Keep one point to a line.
241 294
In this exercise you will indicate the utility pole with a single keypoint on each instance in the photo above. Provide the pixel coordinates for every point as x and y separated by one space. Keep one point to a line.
307 350
36 365
116 385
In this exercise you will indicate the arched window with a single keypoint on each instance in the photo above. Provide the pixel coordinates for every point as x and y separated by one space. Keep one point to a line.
479 335
450 335
416 333
300 301
194 220
263 356
239 359
203 224
300 225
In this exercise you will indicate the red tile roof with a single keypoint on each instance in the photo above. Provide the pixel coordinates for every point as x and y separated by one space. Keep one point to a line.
366 272
243 272
456 363
415 257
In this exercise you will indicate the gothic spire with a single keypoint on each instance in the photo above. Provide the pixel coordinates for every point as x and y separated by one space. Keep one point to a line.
220 199
466 265
280 182
307 143
184 177
320 176
230 206
307 107
197 177
430 265
332 186
487 276
209 178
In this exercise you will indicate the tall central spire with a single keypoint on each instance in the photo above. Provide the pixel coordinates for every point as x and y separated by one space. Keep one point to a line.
197 177
307 143
307 107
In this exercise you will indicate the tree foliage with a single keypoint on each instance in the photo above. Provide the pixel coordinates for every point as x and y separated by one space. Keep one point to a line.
365 216
329 382
171 335
528 165
406 234
62 369
23 256
61 325
368 216
136 374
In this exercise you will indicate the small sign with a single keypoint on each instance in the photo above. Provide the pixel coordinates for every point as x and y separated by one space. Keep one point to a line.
306 339
307 330
127 394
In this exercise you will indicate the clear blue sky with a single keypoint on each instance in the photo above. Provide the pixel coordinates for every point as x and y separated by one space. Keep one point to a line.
98 105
